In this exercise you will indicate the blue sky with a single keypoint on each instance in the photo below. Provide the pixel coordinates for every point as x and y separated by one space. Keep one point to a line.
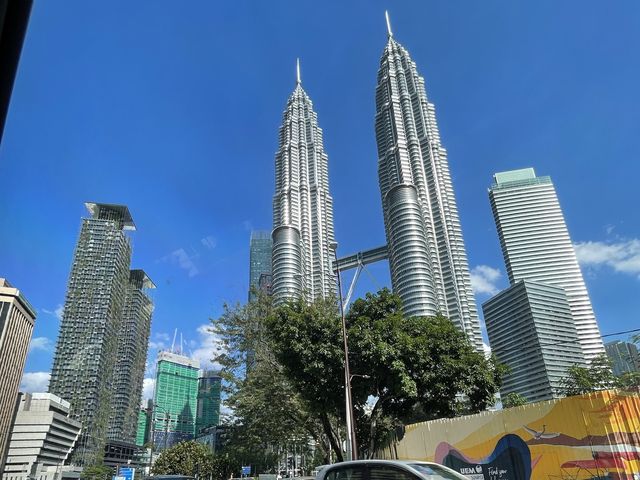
174 109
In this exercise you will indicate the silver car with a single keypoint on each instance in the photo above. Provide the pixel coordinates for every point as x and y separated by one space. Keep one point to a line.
388 470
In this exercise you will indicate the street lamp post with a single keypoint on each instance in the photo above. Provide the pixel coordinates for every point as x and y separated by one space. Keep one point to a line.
352 446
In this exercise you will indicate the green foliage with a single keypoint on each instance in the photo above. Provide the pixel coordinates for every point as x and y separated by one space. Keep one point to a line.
514 399
413 367
185 458
96 472
629 381
597 376
284 374
224 466
268 412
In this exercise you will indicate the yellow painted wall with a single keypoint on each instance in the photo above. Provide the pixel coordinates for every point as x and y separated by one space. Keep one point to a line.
584 437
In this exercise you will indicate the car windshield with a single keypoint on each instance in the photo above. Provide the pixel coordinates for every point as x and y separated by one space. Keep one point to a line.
434 472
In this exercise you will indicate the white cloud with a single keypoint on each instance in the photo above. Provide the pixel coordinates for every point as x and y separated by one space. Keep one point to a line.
484 279
159 341
208 347
622 256
486 349
182 259
35 382
148 386
209 241
247 225
41 343
57 312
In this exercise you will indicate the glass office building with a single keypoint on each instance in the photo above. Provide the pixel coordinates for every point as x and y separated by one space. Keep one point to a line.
259 259
536 245
531 330
208 414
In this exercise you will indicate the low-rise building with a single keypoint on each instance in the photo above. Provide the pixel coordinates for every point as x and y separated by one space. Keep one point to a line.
41 438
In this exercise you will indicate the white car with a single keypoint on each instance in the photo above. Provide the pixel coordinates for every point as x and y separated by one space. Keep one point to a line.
388 470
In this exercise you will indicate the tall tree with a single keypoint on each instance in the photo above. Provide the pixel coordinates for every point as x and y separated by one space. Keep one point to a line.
412 367
597 376
268 412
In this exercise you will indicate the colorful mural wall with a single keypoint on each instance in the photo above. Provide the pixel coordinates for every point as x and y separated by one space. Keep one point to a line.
593 436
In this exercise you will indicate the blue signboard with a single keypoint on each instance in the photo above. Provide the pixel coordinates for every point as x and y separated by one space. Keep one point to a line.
246 470
126 473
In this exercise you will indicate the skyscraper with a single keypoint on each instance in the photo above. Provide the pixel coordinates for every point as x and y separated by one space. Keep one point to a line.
133 341
175 399
536 245
427 258
624 357
87 346
531 331
259 258
17 318
208 414
302 206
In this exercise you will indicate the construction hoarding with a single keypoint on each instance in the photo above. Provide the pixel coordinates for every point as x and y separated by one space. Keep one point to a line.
582 437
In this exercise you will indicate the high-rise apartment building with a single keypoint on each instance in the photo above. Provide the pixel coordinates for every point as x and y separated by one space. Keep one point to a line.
624 357
302 206
133 342
87 346
17 318
175 400
531 330
208 413
42 437
259 259
427 257
536 245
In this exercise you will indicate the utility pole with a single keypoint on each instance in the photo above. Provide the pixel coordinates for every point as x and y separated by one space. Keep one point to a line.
352 448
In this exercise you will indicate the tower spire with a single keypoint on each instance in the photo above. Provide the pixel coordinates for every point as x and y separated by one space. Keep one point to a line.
386 16
298 79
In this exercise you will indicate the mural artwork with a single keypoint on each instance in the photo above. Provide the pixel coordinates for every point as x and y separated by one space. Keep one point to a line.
594 436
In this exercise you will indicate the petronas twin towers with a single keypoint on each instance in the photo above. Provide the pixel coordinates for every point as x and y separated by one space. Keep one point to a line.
302 207
427 258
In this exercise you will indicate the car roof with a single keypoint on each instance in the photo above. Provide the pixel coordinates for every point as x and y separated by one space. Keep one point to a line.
375 460
406 464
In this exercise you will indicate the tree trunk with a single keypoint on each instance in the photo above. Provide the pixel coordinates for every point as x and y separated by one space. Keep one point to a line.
335 444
